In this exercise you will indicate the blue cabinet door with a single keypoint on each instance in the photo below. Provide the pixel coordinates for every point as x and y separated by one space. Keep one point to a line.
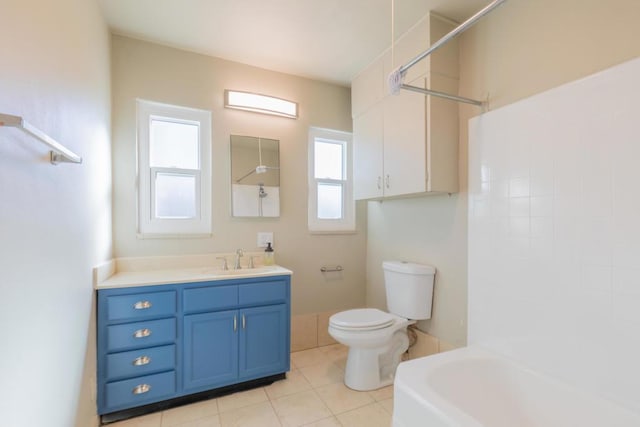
264 341
210 350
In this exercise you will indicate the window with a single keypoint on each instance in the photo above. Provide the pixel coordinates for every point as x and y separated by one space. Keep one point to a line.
174 170
331 206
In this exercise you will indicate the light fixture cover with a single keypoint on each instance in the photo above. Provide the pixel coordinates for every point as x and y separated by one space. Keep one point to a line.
260 103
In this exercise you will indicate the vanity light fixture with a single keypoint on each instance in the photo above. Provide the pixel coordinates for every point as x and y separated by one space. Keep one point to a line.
260 103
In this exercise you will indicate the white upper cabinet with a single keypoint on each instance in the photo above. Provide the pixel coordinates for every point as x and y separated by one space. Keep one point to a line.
369 87
407 144
404 144
367 154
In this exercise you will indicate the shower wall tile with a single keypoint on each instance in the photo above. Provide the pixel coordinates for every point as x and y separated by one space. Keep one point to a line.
554 233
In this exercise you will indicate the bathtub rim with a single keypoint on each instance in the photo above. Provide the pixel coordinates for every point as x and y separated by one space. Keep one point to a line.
413 392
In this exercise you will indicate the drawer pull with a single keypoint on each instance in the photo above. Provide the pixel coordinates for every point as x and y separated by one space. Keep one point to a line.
142 333
142 360
142 305
141 389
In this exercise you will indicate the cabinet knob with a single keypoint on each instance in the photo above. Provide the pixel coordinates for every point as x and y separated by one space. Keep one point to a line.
244 322
142 305
141 389
142 333
142 360
386 181
235 323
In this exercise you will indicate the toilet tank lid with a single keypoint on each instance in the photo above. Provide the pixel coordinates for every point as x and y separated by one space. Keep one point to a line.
408 267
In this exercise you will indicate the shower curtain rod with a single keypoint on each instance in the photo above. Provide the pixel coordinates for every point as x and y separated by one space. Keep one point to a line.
59 154
397 76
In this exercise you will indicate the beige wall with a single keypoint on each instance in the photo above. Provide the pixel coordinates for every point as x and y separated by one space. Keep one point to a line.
55 221
522 48
158 73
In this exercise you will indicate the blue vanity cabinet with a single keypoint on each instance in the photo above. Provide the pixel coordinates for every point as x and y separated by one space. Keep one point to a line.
265 326
264 341
137 346
157 343
210 350
222 346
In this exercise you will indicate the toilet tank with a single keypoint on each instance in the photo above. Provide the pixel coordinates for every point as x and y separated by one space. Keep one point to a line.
409 289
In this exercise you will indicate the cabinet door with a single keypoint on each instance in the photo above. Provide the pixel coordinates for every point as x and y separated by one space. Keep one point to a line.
210 349
367 153
264 347
404 143
368 87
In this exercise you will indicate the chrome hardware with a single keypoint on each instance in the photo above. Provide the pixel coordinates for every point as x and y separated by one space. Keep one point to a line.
142 333
141 389
239 254
379 182
142 360
396 78
142 305
244 322
331 269
386 181
225 266
235 323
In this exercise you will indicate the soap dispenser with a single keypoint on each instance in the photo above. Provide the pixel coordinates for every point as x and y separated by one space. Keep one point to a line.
269 256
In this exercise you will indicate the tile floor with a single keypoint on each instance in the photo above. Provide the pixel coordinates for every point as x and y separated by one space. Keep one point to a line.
312 395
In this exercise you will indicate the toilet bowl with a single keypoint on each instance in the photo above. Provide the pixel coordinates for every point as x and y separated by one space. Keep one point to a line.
377 339
376 342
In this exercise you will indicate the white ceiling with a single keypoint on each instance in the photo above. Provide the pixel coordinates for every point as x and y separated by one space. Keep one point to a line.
328 40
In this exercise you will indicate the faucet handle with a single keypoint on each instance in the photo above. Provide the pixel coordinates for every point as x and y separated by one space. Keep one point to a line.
225 266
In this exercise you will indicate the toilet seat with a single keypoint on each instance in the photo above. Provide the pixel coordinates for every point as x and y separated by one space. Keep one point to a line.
361 319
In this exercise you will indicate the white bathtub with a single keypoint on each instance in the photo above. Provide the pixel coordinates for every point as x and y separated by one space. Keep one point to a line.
471 387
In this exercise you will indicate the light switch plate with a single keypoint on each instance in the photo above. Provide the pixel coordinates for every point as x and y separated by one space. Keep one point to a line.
265 237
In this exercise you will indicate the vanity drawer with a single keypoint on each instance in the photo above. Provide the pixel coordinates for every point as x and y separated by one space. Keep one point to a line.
140 362
263 293
140 334
210 298
141 306
139 391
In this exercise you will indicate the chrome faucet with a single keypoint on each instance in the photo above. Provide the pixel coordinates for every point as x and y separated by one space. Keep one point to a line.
239 254
225 266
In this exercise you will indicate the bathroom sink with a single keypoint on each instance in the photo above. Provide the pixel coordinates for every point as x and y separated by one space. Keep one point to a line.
188 275
244 272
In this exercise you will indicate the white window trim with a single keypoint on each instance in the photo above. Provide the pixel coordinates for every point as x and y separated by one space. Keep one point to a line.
148 226
347 224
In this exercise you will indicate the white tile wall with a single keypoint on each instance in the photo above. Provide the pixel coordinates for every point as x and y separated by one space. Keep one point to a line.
554 232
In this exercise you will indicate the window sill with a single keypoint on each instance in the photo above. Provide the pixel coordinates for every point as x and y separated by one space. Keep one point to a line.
333 232
144 236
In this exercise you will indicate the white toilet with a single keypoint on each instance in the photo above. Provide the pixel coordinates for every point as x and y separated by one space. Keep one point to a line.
377 339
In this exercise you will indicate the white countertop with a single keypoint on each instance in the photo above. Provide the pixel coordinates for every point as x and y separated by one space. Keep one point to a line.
122 273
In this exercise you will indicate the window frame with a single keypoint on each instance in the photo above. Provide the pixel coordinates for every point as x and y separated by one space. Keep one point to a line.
346 224
150 226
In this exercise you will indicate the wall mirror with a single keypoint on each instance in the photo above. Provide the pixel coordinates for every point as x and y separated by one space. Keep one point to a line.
255 176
